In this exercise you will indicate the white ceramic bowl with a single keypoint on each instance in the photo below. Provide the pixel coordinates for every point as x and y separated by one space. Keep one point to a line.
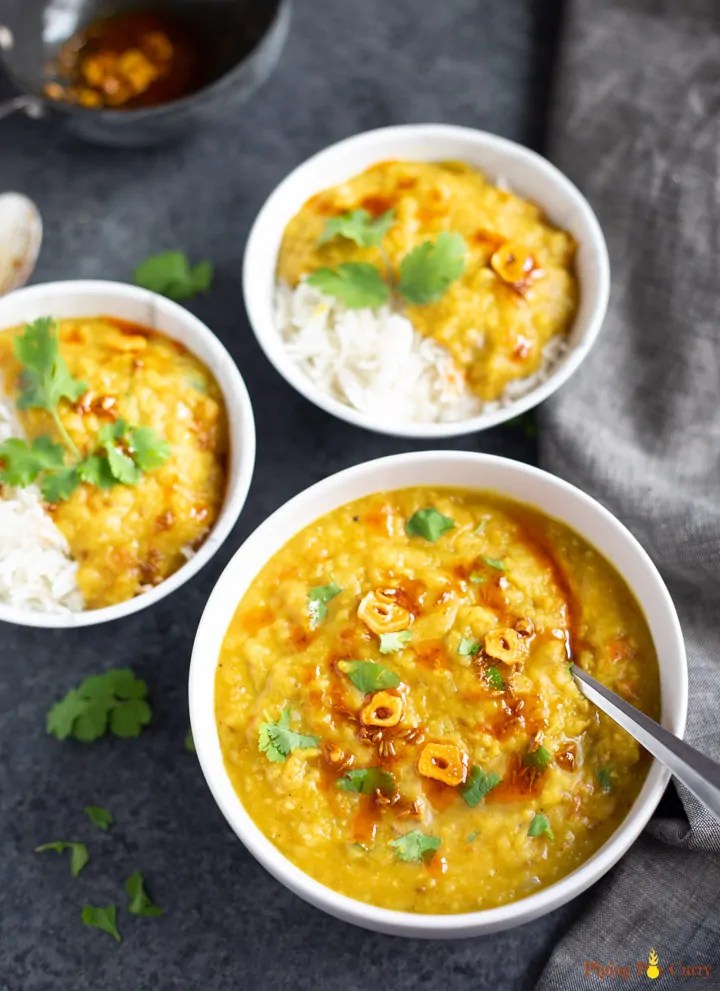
481 471
527 174
95 298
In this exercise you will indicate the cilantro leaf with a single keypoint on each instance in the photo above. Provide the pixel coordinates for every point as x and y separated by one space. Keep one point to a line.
478 579
478 785
277 740
121 465
140 901
525 422
356 284
392 642
22 461
114 700
99 917
413 846
45 378
79 855
540 825
367 780
170 274
539 759
149 450
369 676
471 836
96 471
605 777
58 485
317 600
431 268
99 817
468 647
358 226
189 742
494 562
429 523
495 678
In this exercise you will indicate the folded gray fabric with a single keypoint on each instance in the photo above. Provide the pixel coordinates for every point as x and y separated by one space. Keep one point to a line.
637 126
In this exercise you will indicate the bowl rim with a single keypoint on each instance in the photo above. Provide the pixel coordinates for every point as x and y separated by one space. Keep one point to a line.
260 310
211 631
280 22
241 430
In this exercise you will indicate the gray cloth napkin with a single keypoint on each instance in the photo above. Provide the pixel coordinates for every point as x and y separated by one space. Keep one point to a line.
637 127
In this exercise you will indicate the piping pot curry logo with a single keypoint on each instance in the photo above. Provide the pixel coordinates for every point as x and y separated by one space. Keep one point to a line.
652 969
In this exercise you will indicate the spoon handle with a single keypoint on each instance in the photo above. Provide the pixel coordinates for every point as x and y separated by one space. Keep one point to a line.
696 771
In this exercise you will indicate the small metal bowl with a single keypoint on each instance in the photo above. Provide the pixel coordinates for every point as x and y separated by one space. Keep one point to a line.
244 39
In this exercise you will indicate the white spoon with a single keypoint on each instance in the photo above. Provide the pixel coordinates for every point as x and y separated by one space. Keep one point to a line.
20 239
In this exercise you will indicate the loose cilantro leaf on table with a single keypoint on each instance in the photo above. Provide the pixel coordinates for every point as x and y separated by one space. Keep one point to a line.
539 826
495 678
356 284
114 701
431 268
277 740
99 817
413 846
79 855
539 759
140 902
358 226
22 460
189 742
392 642
467 647
317 600
429 523
478 785
104 918
367 780
170 274
369 676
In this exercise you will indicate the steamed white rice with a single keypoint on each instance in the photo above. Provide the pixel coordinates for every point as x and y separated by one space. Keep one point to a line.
36 570
376 362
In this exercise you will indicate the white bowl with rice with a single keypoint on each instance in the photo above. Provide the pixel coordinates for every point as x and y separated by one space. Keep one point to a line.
37 574
370 367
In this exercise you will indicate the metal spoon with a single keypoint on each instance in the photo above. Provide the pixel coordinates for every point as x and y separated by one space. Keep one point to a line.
696 771
20 239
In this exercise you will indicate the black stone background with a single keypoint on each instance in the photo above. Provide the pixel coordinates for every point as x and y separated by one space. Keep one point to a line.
347 67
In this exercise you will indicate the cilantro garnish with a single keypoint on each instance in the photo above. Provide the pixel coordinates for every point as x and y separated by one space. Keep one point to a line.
367 780
478 785
471 836
468 647
97 917
317 600
495 678
114 701
170 274
478 579
356 284
123 452
392 642
431 268
415 845
540 825
79 855
539 759
278 740
429 523
494 562
369 676
140 902
358 226
99 817
189 742
605 777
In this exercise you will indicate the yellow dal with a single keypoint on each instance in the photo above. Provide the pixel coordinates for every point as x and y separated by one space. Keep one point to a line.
272 658
129 537
494 330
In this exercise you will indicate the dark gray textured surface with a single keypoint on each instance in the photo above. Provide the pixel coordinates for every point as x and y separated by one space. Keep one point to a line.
229 925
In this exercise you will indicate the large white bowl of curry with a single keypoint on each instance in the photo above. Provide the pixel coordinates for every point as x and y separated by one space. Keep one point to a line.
141 357
381 702
518 319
